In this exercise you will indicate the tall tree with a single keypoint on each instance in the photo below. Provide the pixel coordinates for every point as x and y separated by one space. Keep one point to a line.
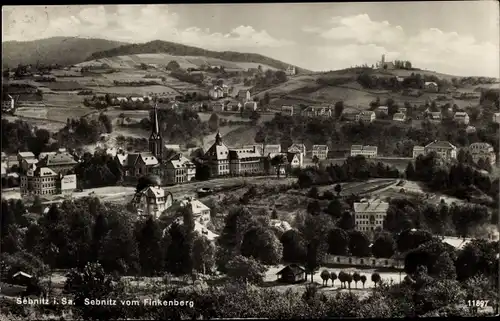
359 244
149 237
294 247
384 246
203 255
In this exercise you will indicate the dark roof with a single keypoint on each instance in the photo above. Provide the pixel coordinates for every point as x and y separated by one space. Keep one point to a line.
294 268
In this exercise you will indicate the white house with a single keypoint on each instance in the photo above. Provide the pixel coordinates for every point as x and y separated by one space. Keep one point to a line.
366 116
216 92
287 110
291 71
418 150
482 150
366 151
152 200
201 212
295 160
320 151
300 149
444 149
461 117
431 86
401 117
496 118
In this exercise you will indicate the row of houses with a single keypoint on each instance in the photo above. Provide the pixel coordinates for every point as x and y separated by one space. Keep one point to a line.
448 151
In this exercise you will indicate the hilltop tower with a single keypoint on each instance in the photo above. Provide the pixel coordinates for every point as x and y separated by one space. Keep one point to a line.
155 140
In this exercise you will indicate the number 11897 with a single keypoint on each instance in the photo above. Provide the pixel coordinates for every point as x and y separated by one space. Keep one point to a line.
478 303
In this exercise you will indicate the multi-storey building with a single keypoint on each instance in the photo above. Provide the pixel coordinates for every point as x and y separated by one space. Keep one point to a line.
61 162
320 151
135 165
44 181
223 160
461 117
482 151
152 200
179 169
366 151
366 116
443 149
370 214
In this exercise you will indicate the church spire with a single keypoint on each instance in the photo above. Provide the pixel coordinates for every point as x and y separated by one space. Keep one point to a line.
218 139
156 127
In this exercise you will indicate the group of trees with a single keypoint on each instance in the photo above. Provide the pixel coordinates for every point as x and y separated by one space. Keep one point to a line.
266 79
77 232
414 81
460 180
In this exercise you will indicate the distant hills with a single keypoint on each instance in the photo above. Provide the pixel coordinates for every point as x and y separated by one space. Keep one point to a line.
56 50
175 49
74 50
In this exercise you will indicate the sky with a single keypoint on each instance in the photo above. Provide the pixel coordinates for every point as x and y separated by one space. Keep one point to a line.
459 38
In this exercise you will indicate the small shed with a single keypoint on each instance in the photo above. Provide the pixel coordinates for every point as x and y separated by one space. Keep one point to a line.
292 274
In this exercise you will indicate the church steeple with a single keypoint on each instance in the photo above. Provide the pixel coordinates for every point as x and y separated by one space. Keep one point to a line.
218 139
155 140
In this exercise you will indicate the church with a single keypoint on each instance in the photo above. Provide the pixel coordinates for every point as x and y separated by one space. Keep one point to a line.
171 168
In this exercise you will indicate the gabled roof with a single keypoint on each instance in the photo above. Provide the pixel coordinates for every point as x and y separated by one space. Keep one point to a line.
20 273
26 154
44 172
148 159
461 114
301 148
290 156
153 192
57 160
427 83
320 148
293 268
441 144
196 206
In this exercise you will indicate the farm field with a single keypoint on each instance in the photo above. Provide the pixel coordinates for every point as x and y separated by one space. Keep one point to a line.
136 90
59 114
50 125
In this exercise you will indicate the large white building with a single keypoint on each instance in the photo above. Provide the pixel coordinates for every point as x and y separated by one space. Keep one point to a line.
366 151
370 214
443 149
484 151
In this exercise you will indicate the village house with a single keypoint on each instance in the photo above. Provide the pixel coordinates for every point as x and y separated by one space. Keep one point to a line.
201 212
434 117
384 110
223 160
135 165
243 96
470 129
298 148
366 116
403 110
444 149
366 151
294 160
399 117
216 92
370 214
218 106
250 105
292 274
179 170
431 86
225 90
287 110
152 201
461 117
320 151
8 102
482 151
137 99
418 150
317 111
496 118
290 71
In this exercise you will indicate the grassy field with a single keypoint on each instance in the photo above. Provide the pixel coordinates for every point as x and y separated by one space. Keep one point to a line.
162 59
140 90
60 114
50 125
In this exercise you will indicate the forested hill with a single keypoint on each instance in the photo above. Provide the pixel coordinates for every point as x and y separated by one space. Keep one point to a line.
56 50
176 49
